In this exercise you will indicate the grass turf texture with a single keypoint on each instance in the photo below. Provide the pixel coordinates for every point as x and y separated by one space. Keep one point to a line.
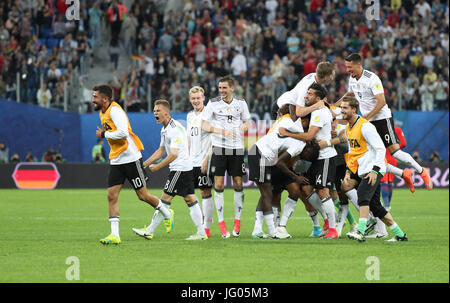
41 229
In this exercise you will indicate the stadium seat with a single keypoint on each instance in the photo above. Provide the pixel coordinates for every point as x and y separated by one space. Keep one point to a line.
42 41
46 32
52 42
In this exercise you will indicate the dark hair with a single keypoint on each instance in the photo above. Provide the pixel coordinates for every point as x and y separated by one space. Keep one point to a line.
227 79
284 110
354 58
163 102
104 90
320 91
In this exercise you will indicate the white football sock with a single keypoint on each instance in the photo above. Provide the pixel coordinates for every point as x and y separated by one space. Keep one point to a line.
343 217
352 194
218 200
207 209
314 218
394 170
114 226
407 160
196 216
288 210
156 220
268 217
163 207
328 207
238 203
316 202
259 220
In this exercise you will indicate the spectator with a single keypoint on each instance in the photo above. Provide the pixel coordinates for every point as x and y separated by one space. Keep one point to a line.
427 91
114 53
14 158
238 65
98 152
435 157
49 155
416 156
44 96
30 158
4 153
95 15
135 98
441 93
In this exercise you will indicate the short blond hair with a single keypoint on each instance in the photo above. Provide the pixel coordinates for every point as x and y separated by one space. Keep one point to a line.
196 89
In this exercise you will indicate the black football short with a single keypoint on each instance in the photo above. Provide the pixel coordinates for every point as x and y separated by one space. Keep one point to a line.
322 173
202 181
340 175
180 183
227 160
280 180
385 128
134 172
260 172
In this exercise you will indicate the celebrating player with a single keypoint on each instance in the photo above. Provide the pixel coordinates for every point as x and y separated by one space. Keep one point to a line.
180 181
367 88
366 167
199 150
227 117
321 173
125 160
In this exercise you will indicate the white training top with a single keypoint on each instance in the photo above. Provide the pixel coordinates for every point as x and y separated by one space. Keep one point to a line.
132 153
375 153
365 89
199 140
273 143
322 118
174 136
300 90
229 117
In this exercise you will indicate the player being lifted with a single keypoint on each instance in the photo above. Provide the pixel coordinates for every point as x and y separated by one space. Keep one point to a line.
366 166
321 173
367 88
125 160
227 117
199 152
180 181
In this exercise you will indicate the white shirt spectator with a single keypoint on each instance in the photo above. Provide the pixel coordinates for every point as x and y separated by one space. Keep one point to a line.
423 8
238 64
427 96
44 97
271 6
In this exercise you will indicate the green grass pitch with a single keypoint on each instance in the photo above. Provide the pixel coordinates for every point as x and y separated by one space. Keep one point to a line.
41 229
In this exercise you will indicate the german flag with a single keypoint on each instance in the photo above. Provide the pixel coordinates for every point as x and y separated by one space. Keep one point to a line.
40 175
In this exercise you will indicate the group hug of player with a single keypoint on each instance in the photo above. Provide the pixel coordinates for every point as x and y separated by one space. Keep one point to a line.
346 152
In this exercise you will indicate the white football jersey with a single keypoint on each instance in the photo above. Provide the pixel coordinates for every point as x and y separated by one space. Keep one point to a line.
174 136
300 90
322 118
286 98
229 117
199 140
273 143
365 90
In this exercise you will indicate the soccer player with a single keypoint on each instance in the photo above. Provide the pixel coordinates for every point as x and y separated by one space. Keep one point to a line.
296 97
174 142
199 150
125 160
321 173
367 88
227 117
366 166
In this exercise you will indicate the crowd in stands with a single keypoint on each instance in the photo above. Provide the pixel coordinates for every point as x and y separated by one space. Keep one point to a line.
266 45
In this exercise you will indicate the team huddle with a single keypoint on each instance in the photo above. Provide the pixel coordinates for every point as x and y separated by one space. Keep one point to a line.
345 152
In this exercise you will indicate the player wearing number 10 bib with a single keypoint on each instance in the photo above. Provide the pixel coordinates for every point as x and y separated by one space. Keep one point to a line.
125 159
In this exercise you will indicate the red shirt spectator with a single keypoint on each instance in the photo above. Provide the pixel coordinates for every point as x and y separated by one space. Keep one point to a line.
393 19
61 6
309 66
211 53
227 5
316 5
362 28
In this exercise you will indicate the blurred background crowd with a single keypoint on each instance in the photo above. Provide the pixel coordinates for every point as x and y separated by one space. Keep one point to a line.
169 46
